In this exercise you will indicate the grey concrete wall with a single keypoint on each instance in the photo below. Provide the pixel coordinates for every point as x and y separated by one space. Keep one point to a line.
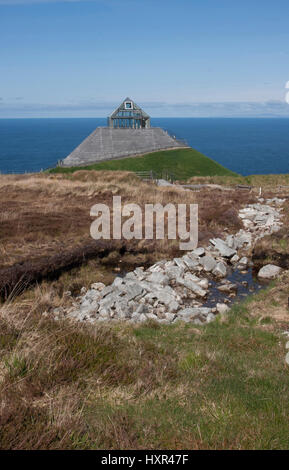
108 144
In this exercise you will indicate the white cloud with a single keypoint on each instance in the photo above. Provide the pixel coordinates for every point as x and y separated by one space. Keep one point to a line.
155 109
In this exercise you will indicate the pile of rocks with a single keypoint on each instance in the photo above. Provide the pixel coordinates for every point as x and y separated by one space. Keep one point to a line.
262 219
177 289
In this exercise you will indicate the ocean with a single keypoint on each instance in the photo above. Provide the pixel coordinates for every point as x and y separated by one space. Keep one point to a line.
244 145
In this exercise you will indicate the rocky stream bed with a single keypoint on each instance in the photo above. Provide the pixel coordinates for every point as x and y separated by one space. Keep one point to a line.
193 288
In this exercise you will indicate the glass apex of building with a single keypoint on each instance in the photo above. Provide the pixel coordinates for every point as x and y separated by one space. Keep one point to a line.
129 115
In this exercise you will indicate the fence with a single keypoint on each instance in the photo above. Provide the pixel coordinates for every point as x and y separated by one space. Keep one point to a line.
150 175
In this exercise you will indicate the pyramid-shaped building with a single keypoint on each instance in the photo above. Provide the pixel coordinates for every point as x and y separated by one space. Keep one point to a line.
128 133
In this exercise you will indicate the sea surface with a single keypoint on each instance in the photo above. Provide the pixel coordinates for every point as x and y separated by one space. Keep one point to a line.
245 145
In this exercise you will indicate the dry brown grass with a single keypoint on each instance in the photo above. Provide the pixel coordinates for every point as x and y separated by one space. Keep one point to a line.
266 182
46 222
52 371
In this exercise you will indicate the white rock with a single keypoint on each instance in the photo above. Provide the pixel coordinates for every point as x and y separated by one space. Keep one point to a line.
158 278
270 271
170 316
106 290
174 272
208 263
180 263
118 282
223 248
173 307
235 259
242 238
133 291
192 264
165 298
227 288
222 308
191 312
210 317
220 270
192 286
199 251
152 316
204 284
142 318
243 263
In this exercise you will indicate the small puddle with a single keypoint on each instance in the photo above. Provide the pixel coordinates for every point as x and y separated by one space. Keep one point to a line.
246 284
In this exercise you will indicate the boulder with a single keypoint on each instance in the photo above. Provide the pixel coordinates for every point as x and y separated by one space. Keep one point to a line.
133 291
190 312
192 277
191 263
230 241
131 276
234 259
152 316
243 263
210 317
223 248
248 213
139 272
174 307
241 239
170 316
227 288
220 270
208 262
106 290
117 282
203 283
180 263
174 272
158 278
165 298
143 308
122 309
192 286
270 271
157 267
198 252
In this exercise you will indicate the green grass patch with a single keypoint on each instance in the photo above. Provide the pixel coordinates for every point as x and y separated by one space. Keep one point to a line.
223 385
182 163
229 390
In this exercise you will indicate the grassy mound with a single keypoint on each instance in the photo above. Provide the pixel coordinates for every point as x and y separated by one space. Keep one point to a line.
182 163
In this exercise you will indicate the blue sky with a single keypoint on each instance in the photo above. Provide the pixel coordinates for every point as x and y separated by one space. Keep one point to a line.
176 58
